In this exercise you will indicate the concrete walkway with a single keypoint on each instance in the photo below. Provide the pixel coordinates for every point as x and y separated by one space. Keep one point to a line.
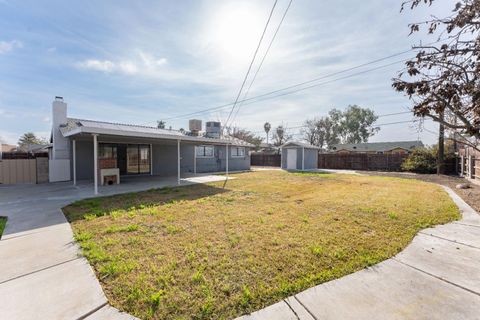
436 277
42 275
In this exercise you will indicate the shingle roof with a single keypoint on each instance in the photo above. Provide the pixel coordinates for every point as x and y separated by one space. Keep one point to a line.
76 126
378 146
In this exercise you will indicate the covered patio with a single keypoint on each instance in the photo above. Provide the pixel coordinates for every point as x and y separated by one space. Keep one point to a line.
117 154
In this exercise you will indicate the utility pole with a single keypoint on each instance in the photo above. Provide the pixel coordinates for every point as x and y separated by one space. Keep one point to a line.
441 146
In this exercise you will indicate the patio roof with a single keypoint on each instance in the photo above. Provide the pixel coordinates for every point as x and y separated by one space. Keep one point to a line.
80 126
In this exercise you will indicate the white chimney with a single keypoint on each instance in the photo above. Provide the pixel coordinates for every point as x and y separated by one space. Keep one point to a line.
61 144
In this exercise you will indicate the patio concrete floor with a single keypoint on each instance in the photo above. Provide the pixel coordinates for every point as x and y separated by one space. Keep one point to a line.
42 275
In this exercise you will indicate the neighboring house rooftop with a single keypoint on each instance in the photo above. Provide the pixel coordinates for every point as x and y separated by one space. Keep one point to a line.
378 146
78 126
299 144
7 147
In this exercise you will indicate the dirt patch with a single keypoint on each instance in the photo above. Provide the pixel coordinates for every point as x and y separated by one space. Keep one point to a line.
470 196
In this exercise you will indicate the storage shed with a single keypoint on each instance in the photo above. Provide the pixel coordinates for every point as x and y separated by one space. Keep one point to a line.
299 156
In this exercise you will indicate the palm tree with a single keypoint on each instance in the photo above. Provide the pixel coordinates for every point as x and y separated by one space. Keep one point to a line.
267 126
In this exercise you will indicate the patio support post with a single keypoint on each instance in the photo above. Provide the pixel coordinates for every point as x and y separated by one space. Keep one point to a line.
195 160
95 163
74 155
178 162
303 158
151 159
462 165
226 164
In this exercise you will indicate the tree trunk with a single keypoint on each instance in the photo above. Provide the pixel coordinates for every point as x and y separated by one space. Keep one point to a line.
441 147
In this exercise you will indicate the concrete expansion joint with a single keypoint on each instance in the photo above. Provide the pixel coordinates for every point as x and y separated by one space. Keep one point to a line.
465 224
92 311
436 277
291 309
304 307
445 239
39 270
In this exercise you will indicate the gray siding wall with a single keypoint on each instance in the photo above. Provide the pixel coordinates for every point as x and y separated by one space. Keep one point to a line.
214 164
311 158
84 150
165 160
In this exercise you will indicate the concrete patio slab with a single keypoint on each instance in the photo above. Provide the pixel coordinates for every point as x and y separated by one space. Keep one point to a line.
449 261
49 246
455 232
277 311
66 291
107 313
389 290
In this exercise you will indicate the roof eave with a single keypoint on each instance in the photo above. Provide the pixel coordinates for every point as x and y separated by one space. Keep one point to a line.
90 130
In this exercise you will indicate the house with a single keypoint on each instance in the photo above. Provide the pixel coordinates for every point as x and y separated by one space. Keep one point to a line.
398 147
299 156
268 148
106 151
7 147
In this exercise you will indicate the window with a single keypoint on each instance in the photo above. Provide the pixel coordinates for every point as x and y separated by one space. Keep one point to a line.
107 151
204 151
238 151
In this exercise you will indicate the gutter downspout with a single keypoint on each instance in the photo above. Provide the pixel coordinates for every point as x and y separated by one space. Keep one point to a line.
226 165
178 162
195 159
303 158
95 163
74 155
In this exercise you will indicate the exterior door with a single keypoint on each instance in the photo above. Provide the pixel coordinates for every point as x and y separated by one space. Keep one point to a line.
291 159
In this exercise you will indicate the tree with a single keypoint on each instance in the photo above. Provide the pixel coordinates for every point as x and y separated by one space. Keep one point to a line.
161 124
267 126
245 135
30 138
280 136
443 80
354 125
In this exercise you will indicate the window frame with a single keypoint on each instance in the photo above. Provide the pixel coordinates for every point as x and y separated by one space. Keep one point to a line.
204 155
237 149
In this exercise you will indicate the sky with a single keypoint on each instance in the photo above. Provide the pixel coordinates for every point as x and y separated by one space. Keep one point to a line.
143 61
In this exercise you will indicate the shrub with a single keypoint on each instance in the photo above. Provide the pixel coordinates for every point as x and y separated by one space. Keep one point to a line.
421 160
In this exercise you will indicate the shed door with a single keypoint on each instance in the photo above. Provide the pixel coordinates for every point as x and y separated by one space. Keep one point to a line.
292 159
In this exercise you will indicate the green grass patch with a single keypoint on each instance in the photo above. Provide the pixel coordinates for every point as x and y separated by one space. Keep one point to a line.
208 252
3 223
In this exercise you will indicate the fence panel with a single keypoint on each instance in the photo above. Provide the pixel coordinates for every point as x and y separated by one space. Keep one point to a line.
14 171
361 161
265 160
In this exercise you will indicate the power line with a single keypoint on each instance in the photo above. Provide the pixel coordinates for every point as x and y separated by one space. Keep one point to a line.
206 110
263 59
266 95
251 63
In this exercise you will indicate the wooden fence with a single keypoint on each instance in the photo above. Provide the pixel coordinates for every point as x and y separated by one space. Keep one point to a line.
23 169
265 160
361 161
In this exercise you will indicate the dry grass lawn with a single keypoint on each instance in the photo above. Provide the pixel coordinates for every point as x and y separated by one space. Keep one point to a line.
206 252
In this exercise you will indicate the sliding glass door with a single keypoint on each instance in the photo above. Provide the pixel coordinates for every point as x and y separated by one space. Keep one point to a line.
138 159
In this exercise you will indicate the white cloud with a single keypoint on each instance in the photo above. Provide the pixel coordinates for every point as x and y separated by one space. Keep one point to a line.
127 67
98 65
7 46
143 64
